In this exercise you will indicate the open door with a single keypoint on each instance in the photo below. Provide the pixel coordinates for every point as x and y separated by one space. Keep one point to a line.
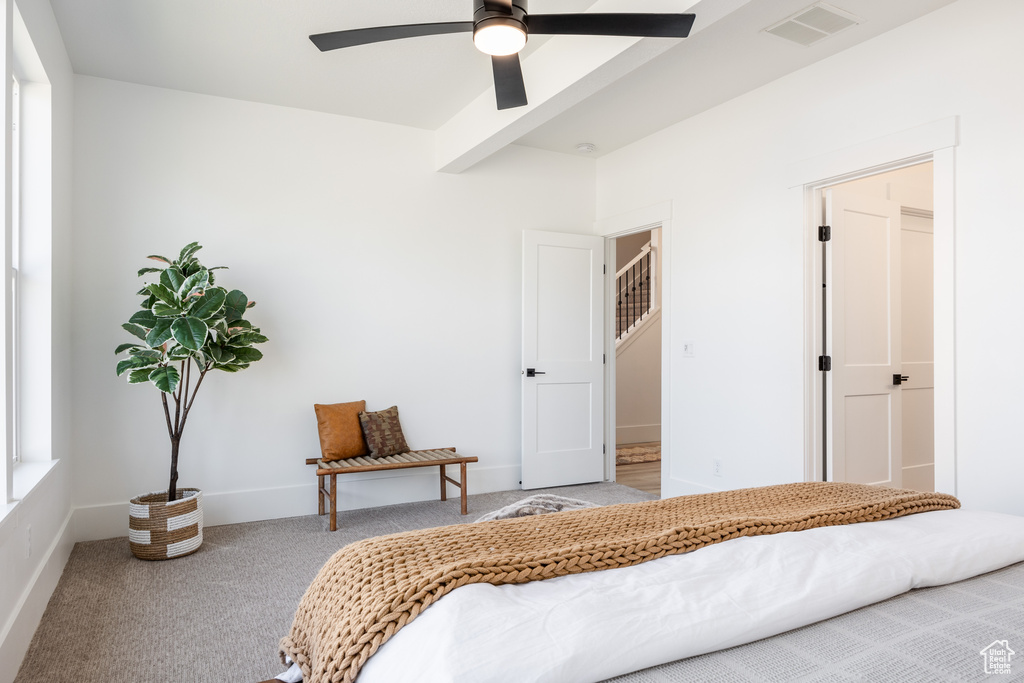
563 359
865 342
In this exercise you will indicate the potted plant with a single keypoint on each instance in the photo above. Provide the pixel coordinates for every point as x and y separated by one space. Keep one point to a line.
187 327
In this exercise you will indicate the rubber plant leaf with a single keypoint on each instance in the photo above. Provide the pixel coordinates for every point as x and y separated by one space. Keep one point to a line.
188 250
194 282
165 378
160 333
171 278
246 338
235 304
144 318
132 363
163 310
139 376
230 367
179 353
238 326
154 355
211 302
137 330
221 355
125 347
246 354
190 332
162 293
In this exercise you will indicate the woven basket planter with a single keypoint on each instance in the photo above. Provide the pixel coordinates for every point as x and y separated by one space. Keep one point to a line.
158 530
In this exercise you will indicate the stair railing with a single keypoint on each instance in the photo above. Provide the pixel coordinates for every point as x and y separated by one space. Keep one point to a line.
635 286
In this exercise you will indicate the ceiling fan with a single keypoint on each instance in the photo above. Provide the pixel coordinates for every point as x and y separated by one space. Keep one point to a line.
500 29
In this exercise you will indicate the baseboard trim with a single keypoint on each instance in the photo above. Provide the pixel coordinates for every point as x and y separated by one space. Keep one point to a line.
17 633
355 491
670 488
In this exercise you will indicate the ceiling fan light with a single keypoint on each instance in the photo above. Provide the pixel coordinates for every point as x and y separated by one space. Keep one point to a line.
498 37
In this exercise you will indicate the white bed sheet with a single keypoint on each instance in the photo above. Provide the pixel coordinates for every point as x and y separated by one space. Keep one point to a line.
588 627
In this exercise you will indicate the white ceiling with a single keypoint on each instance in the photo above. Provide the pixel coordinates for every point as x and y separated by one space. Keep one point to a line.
258 50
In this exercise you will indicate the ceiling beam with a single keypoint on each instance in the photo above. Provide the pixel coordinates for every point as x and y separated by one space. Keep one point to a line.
560 74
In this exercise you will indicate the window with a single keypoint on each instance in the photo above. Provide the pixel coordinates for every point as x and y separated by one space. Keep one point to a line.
15 251
26 342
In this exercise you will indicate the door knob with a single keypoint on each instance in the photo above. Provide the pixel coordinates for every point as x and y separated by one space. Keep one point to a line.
530 372
898 379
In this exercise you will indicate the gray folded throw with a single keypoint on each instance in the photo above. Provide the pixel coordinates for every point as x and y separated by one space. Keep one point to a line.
539 504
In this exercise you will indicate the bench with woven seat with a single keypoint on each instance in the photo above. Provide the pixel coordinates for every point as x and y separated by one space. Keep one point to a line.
441 458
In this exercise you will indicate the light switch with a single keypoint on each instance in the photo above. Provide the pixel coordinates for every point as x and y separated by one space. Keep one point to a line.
688 349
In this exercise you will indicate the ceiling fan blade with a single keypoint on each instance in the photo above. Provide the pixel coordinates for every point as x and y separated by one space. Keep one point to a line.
641 25
377 34
509 89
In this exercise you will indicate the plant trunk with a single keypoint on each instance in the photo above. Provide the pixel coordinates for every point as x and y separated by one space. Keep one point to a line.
172 488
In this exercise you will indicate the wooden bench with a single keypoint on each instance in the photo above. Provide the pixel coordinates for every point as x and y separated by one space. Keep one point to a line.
441 457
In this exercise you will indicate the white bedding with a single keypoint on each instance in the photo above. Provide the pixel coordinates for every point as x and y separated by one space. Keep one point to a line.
588 627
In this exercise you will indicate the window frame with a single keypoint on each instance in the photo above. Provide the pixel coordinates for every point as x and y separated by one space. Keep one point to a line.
16 228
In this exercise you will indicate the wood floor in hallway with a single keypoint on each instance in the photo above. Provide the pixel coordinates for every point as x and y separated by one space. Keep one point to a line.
645 476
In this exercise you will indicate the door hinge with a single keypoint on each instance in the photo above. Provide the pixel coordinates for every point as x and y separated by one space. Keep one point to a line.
604 268
604 358
824 233
604 448
825 363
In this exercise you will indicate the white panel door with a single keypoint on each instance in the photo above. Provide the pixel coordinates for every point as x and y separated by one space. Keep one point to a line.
866 346
563 358
918 392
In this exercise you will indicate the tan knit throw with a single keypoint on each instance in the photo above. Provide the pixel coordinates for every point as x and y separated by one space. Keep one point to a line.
371 588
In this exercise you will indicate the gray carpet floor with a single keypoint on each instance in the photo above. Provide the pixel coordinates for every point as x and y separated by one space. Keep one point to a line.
216 616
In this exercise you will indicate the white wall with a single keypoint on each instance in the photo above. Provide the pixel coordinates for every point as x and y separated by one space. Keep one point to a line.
35 537
737 244
629 246
376 278
638 385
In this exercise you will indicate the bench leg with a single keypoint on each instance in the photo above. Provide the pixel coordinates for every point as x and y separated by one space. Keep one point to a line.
444 484
334 502
462 482
320 495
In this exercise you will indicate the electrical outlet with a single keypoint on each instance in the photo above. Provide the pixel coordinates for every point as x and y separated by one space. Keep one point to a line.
716 467
688 349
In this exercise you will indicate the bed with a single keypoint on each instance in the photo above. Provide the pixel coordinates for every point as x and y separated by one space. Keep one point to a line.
596 625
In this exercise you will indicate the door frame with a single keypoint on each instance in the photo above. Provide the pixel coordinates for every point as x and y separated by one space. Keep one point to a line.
648 218
935 142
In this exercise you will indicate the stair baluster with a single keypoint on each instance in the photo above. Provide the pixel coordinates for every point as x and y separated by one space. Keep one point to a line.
636 275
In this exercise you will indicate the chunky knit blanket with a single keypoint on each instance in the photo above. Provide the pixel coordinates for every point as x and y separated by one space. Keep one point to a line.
370 589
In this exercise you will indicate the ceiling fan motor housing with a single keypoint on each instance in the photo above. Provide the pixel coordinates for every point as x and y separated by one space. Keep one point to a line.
490 13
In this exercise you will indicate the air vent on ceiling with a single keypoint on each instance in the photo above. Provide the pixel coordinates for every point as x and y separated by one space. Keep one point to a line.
813 23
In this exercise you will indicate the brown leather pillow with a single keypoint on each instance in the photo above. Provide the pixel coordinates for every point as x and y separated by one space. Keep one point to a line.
383 432
341 435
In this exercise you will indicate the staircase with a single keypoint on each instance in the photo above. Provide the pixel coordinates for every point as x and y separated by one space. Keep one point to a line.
636 300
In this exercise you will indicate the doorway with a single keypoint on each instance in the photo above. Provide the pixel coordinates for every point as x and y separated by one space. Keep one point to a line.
637 359
876 403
